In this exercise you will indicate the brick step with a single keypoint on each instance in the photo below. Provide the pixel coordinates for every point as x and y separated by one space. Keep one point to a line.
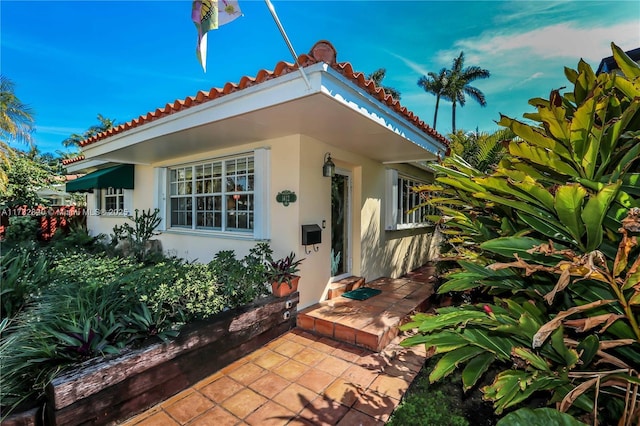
372 323
338 288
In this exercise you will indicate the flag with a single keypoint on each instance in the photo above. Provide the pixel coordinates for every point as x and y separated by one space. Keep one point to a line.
207 16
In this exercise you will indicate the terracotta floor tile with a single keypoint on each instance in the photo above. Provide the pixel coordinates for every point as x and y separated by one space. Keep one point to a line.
315 380
208 380
295 397
290 370
333 365
310 356
376 405
221 389
234 366
158 419
269 385
177 397
359 376
390 386
244 403
348 352
324 412
288 348
270 360
217 416
325 344
373 361
249 373
270 414
303 337
189 407
342 392
354 417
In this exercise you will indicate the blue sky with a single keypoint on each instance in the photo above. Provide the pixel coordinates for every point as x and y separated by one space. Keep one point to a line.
71 60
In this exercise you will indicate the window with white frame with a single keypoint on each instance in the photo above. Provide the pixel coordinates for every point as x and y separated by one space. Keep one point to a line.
411 208
113 200
215 195
405 207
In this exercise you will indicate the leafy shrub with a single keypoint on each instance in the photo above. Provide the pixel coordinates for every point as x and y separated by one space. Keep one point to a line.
242 281
77 238
21 229
194 295
427 405
22 273
553 238
92 270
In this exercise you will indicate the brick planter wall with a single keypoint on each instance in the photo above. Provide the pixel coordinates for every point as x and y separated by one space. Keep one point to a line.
106 391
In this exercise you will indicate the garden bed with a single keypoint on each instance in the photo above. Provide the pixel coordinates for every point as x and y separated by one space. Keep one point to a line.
107 390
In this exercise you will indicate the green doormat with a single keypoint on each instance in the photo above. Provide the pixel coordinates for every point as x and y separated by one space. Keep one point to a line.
362 293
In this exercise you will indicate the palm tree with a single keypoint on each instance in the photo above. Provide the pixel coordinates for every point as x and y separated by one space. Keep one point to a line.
435 84
104 125
16 124
377 76
16 118
458 86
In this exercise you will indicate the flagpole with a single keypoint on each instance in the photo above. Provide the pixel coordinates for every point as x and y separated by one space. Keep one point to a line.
286 39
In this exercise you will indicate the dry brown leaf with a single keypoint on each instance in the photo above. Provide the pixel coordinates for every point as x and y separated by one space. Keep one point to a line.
569 398
563 282
632 221
584 324
608 344
624 248
548 328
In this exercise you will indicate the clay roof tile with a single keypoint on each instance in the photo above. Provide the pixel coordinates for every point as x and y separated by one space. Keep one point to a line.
322 51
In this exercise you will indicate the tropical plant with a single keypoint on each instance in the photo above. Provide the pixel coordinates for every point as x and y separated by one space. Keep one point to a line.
104 125
482 150
436 84
138 236
22 273
458 85
283 270
377 76
16 118
25 177
550 238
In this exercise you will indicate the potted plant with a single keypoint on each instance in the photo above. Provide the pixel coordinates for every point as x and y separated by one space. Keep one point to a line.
283 271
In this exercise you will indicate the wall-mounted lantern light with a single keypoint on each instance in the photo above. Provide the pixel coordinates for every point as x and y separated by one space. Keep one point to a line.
328 169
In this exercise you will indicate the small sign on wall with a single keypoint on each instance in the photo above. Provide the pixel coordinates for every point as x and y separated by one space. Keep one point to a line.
286 197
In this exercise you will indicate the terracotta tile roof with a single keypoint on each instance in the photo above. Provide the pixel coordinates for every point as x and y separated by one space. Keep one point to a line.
67 161
322 51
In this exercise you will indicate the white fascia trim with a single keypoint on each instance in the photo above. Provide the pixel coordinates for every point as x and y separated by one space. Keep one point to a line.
342 90
282 89
84 165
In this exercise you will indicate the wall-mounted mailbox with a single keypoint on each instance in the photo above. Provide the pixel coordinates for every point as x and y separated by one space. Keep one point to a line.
311 235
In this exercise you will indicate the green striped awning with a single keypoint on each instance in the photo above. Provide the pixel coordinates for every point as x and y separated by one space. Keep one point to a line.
112 177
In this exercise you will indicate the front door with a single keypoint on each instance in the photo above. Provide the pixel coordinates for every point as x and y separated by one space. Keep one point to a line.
340 224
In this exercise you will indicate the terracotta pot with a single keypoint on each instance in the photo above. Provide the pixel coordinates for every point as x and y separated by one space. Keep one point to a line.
283 289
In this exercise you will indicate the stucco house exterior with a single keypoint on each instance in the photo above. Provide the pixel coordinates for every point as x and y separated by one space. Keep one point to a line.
218 166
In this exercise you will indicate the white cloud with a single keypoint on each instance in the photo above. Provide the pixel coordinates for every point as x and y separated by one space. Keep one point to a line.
566 41
55 130
413 65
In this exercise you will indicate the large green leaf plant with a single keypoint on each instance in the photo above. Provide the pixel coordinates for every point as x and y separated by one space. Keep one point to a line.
549 237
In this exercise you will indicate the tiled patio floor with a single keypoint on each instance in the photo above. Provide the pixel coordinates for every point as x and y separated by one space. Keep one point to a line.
297 379
371 323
